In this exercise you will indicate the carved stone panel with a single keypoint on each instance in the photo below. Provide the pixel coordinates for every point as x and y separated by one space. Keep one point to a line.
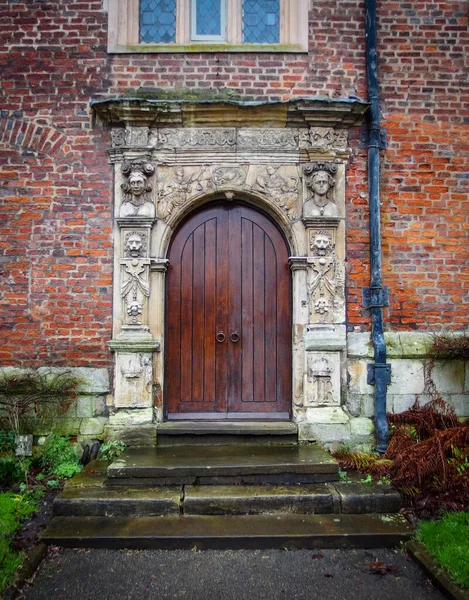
194 138
135 276
279 184
133 381
322 379
137 199
326 278
323 138
319 196
259 138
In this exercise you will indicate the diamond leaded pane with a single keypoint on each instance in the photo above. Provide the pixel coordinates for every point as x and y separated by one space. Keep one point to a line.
208 17
261 21
157 21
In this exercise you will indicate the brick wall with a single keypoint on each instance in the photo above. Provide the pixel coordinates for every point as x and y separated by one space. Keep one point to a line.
56 244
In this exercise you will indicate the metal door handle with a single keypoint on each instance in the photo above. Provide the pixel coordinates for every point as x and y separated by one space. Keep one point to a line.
221 337
234 337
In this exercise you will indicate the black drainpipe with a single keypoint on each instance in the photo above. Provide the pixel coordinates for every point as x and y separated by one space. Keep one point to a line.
376 296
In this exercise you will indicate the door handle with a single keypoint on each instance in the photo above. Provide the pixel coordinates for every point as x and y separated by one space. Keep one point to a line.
221 337
234 337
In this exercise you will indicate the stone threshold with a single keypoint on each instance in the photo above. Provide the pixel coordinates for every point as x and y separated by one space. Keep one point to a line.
257 428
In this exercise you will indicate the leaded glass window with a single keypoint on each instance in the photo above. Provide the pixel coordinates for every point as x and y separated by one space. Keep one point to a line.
261 21
208 19
157 21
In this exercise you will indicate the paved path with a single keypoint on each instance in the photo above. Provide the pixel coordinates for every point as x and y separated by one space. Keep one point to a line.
230 575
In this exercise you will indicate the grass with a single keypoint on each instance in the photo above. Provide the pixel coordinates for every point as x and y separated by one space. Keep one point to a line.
447 540
14 508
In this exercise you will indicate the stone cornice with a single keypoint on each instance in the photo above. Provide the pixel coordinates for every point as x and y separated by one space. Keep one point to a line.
301 112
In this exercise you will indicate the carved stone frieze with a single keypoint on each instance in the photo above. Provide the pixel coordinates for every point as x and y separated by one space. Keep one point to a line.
132 137
257 138
193 138
326 279
137 198
177 186
319 179
323 138
283 190
323 379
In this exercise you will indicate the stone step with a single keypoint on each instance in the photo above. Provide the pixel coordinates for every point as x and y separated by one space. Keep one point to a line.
207 531
182 433
318 498
223 464
121 502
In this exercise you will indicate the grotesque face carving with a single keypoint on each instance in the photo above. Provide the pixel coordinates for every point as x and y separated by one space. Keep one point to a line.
134 245
137 183
321 183
322 243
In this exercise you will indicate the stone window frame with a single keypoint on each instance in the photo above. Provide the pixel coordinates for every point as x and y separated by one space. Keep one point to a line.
123 30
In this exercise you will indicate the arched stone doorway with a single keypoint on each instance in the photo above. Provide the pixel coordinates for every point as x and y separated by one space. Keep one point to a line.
228 318
287 159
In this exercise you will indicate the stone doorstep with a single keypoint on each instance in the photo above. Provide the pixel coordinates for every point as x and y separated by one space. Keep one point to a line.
207 531
259 428
227 500
221 461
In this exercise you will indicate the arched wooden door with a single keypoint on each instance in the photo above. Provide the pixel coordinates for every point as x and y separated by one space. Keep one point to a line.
228 338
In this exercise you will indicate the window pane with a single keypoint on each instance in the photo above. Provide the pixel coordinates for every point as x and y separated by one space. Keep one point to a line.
157 21
208 17
261 21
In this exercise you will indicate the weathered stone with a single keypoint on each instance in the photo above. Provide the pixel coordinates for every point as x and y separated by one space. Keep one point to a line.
128 417
99 406
64 426
402 402
368 405
359 345
94 381
93 426
460 403
326 433
85 406
407 344
328 414
133 436
354 404
448 376
407 377
357 370
361 427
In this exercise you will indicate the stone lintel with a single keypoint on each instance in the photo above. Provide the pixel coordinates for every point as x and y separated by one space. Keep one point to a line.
136 221
325 337
146 112
315 222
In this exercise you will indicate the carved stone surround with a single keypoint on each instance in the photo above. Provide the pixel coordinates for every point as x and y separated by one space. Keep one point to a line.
293 169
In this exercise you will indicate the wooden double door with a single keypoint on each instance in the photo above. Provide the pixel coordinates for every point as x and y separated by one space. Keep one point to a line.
228 307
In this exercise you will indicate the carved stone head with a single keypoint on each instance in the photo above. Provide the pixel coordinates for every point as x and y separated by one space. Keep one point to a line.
321 243
136 187
320 182
135 244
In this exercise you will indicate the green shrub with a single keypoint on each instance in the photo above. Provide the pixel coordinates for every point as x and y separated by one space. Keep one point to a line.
58 457
14 508
111 450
